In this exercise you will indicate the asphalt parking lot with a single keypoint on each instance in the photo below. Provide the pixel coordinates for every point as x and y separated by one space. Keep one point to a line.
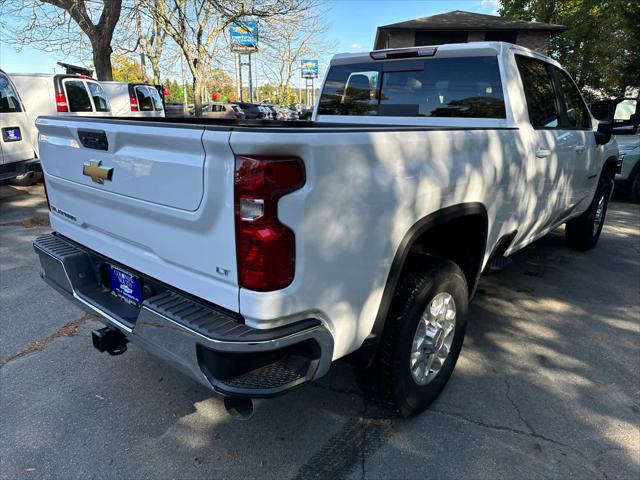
547 386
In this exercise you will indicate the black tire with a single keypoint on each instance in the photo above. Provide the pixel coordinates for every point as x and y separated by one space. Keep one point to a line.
389 379
634 192
582 233
25 180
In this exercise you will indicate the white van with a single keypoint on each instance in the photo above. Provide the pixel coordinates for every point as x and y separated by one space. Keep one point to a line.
17 157
62 94
133 99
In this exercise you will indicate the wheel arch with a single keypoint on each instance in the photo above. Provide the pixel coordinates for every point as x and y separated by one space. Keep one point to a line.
419 231
610 168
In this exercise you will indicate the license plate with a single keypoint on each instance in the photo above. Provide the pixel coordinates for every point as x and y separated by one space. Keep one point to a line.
11 134
125 285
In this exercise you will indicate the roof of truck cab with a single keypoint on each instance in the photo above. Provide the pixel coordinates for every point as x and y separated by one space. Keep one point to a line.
449 49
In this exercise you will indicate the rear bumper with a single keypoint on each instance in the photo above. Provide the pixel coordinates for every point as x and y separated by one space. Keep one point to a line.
15 169
206 342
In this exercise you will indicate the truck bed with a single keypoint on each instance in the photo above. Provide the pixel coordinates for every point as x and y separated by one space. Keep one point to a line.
168 211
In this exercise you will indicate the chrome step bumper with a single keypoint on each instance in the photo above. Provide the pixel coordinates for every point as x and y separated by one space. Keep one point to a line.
206 342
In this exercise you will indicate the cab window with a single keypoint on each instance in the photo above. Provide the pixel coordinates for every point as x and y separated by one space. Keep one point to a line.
468 87
538 92
9 100
576 113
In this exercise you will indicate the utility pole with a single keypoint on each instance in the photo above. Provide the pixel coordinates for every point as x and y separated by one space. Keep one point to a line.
257 85
250 79
238 77
184 86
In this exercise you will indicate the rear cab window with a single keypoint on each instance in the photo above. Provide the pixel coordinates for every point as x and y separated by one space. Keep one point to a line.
9 99
462 87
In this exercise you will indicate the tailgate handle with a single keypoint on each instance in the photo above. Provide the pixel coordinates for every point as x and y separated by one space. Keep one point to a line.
95 139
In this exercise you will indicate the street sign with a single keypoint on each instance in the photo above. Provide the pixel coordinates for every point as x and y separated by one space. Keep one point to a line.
244 37
309 68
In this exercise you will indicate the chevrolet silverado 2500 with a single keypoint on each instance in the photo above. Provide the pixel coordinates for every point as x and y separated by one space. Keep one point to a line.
251 255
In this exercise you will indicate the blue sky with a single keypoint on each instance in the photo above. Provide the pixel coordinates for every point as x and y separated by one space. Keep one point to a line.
352 26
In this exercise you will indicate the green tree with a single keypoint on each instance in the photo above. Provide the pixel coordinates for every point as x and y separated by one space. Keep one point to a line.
126 69
221 82
601 47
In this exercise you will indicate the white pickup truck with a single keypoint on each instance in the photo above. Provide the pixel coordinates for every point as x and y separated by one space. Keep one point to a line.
251 255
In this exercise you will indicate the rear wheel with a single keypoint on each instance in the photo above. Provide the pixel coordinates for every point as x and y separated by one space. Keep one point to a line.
583 232
422 337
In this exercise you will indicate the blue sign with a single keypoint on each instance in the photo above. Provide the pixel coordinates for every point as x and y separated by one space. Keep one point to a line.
309 68
244 35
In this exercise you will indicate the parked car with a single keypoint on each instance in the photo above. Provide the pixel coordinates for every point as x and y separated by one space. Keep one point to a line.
62 94
18 161
266 112
287 114
253 257
134 99
624 113
222 110
272 111
251 110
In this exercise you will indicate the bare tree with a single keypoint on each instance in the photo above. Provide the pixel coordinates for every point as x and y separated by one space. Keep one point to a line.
285 42
58 25
198 25
151 37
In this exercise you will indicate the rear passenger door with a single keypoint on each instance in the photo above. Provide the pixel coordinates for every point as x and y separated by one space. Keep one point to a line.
551 147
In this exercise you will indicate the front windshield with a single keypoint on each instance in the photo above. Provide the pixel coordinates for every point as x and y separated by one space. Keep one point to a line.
624 117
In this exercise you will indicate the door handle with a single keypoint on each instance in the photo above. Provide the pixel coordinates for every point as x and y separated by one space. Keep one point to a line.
580 148
542 152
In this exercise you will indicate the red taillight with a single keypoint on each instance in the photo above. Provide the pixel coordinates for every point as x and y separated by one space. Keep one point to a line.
134 104
266 249
61 102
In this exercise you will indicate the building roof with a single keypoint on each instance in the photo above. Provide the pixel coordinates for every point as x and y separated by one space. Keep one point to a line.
461 20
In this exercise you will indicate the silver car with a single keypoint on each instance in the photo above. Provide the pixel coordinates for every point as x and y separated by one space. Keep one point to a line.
222 110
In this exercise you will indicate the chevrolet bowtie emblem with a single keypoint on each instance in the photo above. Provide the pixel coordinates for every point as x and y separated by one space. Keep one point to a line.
97 173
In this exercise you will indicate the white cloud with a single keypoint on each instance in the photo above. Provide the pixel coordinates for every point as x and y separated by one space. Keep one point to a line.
356 46
490 4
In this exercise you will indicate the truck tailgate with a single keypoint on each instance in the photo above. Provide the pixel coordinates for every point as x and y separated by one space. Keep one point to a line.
156 198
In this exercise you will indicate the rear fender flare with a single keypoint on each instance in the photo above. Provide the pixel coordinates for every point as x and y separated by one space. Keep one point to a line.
418 229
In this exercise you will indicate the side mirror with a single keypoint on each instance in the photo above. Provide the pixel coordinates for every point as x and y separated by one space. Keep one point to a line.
603 134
